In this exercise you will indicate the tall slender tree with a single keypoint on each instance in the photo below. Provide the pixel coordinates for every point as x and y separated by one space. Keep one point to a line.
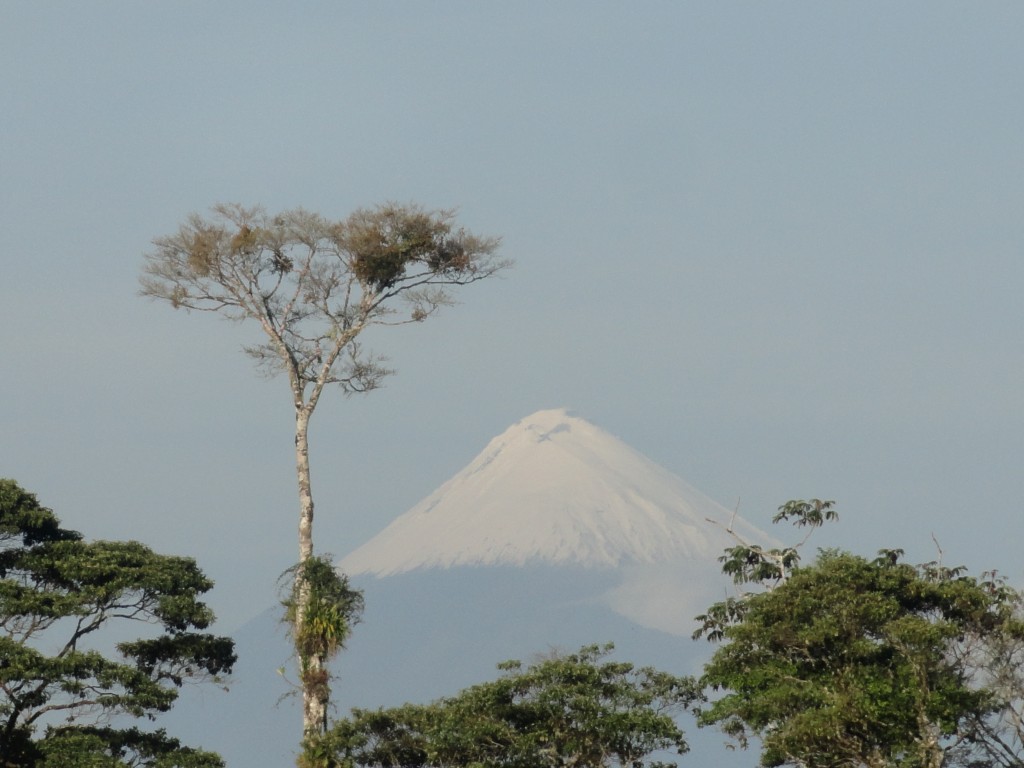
313 285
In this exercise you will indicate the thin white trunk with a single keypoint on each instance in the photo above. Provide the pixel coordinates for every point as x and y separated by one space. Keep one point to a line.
312 674
305 492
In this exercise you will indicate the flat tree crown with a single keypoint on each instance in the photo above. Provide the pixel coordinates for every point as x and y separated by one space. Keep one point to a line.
315 284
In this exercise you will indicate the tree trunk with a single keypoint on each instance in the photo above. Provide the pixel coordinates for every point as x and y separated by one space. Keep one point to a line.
312 675
305 492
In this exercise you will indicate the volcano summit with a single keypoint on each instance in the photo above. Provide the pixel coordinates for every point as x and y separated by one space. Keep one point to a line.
553 489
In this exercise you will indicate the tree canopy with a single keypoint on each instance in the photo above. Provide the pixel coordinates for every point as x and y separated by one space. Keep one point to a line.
574 710
58 594
856 662
315 284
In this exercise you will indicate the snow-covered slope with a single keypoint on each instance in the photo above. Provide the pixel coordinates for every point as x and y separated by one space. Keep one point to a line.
552 489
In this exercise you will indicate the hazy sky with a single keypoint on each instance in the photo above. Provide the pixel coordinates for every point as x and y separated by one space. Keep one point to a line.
774 246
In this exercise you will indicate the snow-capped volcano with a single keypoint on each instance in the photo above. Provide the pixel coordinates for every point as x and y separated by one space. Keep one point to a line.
553 489
557 535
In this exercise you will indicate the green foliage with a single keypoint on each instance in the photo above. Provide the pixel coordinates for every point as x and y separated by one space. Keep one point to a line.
848 656
748 563
851 662
574 710
24 521
320 610
94 747
57 590
330 609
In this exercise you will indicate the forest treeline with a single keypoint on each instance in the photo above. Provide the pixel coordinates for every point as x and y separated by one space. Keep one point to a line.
841 660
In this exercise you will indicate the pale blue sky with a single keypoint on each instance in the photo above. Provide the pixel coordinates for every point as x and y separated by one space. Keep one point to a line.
774 246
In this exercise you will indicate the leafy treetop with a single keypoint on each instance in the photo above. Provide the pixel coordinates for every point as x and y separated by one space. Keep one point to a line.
57 591
574 710
856 662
